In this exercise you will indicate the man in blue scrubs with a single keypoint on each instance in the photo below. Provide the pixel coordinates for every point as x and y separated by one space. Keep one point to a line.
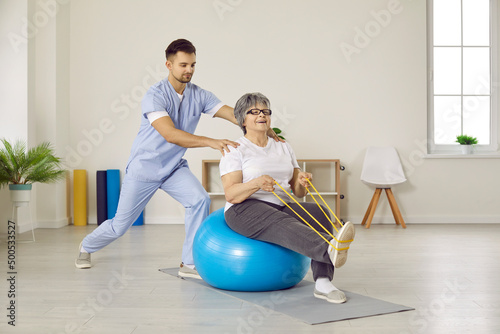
171 110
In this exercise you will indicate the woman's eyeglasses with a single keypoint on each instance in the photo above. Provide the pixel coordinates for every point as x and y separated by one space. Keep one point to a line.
256 112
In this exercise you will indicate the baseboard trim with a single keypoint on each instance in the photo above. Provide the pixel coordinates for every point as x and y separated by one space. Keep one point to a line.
152 221
163 221
387 220
21 228
53 223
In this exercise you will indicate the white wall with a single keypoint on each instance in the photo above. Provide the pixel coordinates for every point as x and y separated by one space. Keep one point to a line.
35 95
51 103
13 85
330 105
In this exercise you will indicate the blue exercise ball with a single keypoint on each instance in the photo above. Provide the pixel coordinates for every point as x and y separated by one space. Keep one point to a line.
230 261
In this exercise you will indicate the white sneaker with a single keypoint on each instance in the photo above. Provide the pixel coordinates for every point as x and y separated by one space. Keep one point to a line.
83 259
339 257
185 271
335 296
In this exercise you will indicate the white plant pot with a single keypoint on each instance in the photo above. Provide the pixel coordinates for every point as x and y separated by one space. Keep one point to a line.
466 149
20 194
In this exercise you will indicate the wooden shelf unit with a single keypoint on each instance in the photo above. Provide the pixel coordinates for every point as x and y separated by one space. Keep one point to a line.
326 179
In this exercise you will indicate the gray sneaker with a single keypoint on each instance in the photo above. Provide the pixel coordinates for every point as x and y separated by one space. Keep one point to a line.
83 260
187 272
335 296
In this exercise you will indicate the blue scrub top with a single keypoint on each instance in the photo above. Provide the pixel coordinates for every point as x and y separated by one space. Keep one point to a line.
152 158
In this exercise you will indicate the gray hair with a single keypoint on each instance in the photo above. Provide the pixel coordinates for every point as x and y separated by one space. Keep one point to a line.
246 102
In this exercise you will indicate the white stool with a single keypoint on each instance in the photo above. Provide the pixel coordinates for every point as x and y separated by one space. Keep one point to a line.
22 199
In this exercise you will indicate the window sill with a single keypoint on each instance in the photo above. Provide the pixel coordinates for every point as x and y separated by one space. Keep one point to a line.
454 155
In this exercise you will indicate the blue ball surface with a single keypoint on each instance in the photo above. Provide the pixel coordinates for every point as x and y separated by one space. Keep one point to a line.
230 261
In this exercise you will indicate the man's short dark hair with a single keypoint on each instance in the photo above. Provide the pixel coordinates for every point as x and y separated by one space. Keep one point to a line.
179 45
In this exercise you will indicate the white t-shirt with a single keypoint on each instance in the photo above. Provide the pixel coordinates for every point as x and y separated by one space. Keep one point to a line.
276 160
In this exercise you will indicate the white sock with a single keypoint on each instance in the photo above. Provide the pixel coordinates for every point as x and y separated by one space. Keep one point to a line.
190 266
82 250
324 285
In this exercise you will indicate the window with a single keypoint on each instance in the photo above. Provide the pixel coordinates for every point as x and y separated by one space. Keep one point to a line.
462 73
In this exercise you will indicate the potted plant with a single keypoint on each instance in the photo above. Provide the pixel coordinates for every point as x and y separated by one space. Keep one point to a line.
466 143
21 167
278 131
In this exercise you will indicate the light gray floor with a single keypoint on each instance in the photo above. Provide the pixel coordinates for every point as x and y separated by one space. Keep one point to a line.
449 273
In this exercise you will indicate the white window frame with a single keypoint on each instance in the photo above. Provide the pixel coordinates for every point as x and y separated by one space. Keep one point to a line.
494 87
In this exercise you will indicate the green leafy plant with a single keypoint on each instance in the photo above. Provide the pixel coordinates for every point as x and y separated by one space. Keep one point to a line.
19 165
466 140
278 131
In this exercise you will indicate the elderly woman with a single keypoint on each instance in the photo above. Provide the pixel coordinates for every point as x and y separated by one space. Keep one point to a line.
248 175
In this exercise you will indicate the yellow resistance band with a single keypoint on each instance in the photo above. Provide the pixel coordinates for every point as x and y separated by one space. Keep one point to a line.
305 221
319 206
333 213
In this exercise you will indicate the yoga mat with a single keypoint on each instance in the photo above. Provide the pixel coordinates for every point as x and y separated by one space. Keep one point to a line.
113 191
298 302
101 196
140 220
79 197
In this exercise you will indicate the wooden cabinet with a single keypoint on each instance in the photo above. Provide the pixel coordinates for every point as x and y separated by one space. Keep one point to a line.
326 179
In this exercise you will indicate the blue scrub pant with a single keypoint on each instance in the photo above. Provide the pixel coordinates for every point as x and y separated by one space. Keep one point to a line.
182 185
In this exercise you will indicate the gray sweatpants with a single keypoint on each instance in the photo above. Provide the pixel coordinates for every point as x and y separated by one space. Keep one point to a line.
279 225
